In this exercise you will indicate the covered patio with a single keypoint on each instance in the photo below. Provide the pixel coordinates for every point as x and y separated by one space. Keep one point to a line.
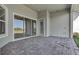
28 29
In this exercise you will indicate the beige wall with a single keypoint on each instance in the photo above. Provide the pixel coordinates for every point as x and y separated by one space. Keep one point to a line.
19 9
59 24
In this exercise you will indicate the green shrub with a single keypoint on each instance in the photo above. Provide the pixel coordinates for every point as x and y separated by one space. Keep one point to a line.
76 38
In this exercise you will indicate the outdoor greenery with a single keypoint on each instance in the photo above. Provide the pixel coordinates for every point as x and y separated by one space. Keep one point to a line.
76 38
18 30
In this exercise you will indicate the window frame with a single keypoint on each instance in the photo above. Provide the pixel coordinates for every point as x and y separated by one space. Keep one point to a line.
5 21
21 15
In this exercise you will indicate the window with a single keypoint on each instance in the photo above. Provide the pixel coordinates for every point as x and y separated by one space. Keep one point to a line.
18 26
3 23
22 27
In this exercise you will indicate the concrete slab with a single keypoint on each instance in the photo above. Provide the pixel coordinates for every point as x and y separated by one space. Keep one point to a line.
40 46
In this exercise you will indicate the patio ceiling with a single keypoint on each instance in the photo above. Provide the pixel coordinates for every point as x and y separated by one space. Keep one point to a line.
75 7
49 7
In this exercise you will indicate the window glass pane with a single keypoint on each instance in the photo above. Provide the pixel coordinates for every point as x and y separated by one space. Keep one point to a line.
22 27
41 27
2 13
33 27
28 27
18 28
2 27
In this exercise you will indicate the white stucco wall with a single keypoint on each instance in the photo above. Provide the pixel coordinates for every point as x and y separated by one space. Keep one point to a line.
45 16
19 9
48 23
59 24
42 15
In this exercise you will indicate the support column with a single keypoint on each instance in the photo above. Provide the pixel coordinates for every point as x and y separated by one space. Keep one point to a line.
70 23
37 28
48 23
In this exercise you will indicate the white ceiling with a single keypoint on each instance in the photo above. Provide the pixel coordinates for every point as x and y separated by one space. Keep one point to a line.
50 7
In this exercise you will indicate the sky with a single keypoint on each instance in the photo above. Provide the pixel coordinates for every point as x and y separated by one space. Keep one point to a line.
76 25
18 23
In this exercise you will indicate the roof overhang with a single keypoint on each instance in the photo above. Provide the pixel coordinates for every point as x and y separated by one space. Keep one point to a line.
49 7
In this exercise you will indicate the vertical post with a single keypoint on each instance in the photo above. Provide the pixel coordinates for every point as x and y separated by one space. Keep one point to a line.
70 23
37 28
48 23
31 27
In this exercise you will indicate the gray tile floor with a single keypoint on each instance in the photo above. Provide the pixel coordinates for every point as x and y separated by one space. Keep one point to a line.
40 46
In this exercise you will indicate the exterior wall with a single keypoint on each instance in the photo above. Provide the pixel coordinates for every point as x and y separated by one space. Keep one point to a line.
59 24
42 15
56 24
19 9
45 16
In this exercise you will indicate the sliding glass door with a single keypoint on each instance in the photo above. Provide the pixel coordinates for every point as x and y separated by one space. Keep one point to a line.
33 27
18 27
23 27
28 27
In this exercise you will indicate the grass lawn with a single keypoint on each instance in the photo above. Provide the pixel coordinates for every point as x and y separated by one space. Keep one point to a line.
77 41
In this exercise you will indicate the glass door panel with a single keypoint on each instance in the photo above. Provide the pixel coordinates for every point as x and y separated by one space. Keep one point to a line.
41 28
18 28
33 27
23 27
28 27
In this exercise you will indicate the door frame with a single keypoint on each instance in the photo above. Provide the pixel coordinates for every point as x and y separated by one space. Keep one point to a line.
43 20
13 27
